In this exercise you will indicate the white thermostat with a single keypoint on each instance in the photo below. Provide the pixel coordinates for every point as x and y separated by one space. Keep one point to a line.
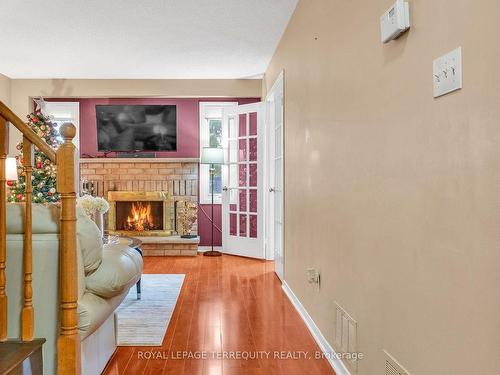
395 21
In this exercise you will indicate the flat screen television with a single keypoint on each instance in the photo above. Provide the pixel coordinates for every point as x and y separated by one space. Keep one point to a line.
136 128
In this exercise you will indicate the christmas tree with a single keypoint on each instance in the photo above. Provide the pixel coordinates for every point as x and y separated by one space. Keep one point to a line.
44 171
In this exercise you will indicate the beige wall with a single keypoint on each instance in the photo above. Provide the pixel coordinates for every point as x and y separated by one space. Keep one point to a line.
5 84
394 195
4 89
24 89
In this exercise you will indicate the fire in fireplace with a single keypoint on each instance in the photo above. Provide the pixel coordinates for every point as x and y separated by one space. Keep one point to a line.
139 216
139 213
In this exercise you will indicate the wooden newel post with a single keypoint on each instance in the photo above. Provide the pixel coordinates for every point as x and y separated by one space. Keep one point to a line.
68 342
4 150
28 319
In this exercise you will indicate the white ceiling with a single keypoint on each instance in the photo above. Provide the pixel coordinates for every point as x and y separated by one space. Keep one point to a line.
140 38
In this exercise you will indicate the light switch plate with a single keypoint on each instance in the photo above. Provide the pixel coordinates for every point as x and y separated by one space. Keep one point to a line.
447 73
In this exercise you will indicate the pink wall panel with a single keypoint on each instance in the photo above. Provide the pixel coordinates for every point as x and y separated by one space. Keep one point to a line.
188 137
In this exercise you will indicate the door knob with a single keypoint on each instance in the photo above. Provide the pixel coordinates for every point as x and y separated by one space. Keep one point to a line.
224 188
271 190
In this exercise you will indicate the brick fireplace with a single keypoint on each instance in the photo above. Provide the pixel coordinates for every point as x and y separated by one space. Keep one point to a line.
176 179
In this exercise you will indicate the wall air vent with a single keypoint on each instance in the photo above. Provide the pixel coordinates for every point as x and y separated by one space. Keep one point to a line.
392 367
345 336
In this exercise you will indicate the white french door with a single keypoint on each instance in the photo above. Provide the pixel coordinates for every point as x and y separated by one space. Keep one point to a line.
275 163
242 196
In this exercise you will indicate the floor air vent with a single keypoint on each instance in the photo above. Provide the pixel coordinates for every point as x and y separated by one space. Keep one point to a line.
392 367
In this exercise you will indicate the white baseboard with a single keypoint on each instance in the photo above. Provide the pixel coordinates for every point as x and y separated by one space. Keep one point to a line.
202 249
325 347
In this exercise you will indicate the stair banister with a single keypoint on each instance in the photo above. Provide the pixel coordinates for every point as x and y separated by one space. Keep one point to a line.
4 151
68 342
27 132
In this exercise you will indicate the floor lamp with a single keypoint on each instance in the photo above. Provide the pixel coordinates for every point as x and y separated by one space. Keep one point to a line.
212 156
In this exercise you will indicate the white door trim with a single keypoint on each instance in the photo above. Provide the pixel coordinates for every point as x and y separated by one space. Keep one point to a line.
270 170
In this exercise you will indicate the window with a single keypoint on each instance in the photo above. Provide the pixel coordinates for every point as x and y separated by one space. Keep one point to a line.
62 112
211 136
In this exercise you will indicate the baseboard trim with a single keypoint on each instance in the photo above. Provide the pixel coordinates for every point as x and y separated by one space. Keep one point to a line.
325 347
202 249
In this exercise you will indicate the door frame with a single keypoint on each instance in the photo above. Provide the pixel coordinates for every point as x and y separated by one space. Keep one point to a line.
269 168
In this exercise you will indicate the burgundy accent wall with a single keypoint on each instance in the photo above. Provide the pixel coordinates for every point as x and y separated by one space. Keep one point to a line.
188 139
188 134
188 142
205 226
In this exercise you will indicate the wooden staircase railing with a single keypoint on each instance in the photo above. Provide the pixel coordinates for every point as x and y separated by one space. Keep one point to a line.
68 342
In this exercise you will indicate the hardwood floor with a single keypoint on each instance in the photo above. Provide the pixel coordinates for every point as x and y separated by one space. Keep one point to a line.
231 306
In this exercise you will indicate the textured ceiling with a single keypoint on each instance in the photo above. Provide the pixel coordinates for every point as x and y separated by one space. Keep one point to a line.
141 38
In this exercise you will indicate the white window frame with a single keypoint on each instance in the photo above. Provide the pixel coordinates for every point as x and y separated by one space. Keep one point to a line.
66 112
209 111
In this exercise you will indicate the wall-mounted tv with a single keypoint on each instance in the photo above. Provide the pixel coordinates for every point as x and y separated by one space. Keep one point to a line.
136 128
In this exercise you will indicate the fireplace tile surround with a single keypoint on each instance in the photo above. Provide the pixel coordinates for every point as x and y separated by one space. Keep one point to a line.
177 177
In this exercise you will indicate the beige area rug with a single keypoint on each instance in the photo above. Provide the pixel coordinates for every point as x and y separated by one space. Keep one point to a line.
144 322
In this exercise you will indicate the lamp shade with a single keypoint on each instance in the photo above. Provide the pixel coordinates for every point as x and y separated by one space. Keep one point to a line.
11 169
212 155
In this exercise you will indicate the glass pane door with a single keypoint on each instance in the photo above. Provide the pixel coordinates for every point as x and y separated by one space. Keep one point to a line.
243 181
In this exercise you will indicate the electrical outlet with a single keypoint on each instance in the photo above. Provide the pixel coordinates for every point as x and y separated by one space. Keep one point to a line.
313 276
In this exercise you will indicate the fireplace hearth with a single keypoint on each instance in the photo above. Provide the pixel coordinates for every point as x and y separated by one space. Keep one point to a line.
139 213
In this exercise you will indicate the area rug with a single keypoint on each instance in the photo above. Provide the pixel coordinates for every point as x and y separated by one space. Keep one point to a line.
144 322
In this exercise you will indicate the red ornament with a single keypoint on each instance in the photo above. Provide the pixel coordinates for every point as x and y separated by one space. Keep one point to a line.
10 183
19 197
49 193
39 165
35 119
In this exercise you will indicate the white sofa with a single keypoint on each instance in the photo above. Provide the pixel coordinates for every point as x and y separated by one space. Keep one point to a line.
105 275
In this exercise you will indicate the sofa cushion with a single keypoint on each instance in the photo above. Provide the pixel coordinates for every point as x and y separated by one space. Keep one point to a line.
89 238
94 310
46 221
45 218
121 268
